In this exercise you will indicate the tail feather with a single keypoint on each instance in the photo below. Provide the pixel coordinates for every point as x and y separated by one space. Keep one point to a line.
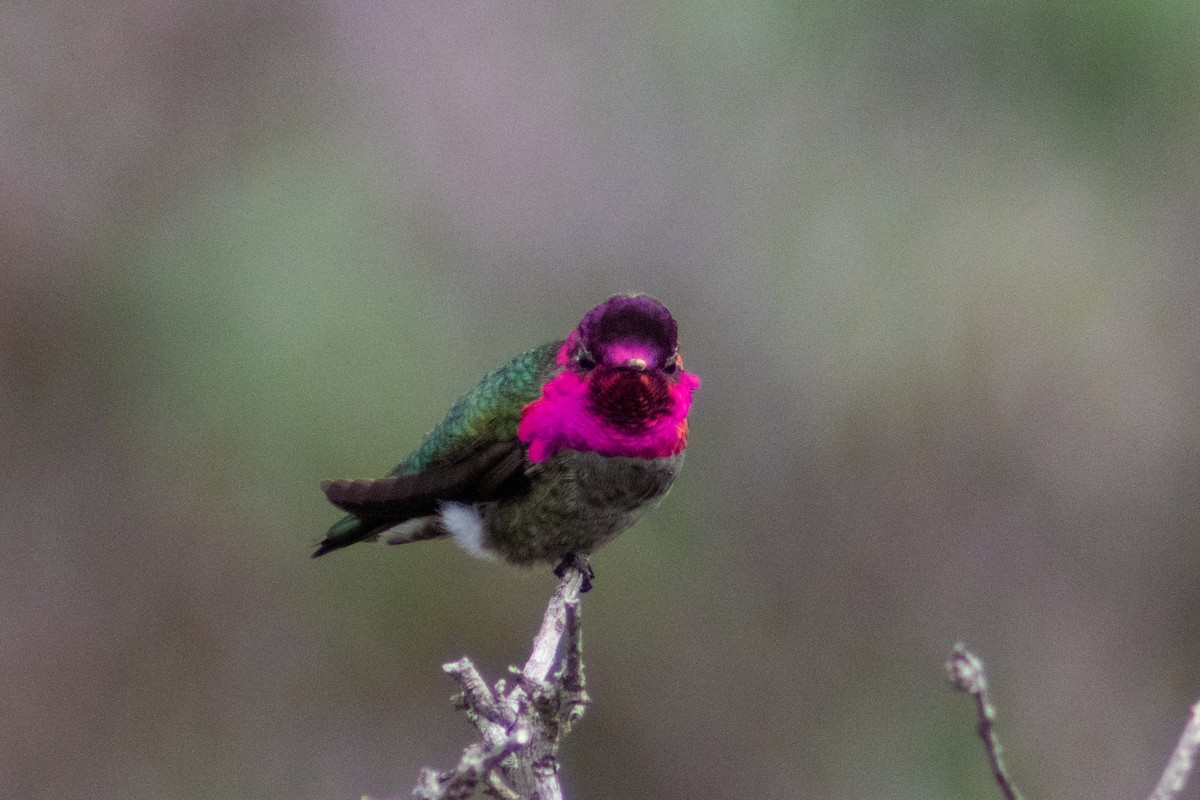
351 530
346 531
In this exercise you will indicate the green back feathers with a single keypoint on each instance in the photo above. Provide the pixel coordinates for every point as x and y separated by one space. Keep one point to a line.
488 413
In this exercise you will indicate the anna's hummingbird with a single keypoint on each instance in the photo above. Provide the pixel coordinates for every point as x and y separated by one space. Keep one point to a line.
549 456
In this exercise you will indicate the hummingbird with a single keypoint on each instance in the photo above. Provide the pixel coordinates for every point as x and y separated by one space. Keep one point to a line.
548 456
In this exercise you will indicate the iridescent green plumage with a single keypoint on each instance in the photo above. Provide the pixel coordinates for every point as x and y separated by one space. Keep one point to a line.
488 413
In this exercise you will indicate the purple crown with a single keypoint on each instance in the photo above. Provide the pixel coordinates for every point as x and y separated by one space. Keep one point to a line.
629 317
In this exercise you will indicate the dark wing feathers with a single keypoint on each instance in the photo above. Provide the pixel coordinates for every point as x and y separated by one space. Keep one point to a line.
499 479
406 496
376 505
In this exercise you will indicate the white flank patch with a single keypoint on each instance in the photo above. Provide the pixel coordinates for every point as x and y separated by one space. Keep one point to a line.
466 526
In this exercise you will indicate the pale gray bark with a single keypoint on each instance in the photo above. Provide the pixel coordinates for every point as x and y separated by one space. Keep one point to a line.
1175 776
520 725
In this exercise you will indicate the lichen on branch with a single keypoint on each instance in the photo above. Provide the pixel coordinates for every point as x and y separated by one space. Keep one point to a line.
521 720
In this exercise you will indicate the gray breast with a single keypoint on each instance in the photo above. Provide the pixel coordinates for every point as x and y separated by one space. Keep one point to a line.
576 502
623 483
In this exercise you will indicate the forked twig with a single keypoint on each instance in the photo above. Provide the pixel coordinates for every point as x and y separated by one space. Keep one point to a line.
521 725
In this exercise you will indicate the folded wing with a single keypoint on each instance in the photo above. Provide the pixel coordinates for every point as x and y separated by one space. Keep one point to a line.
384 502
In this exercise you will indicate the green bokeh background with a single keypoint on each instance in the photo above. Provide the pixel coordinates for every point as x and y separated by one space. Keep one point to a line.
936 264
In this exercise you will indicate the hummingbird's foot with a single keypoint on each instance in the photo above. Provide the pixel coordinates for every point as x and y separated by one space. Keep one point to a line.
580 562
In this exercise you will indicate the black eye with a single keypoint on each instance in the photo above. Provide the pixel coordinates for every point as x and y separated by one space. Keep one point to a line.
671 365
584 360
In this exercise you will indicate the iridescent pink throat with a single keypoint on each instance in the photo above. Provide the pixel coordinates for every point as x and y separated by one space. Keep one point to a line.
564 418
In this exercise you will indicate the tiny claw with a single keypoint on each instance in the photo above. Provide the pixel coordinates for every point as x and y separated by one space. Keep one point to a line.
580 562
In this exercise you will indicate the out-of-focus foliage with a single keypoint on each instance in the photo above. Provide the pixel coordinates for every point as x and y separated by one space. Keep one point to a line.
935 262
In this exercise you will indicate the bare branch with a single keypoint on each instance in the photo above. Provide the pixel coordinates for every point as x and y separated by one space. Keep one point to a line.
477 695
966 673
1175 776
545 644
475 767
520 726
500 789
572 673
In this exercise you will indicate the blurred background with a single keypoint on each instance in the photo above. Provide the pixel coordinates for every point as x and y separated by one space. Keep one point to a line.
935 262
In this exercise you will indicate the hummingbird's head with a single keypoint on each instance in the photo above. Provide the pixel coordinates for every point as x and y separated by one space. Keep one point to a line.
625 352
626 332
622 390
